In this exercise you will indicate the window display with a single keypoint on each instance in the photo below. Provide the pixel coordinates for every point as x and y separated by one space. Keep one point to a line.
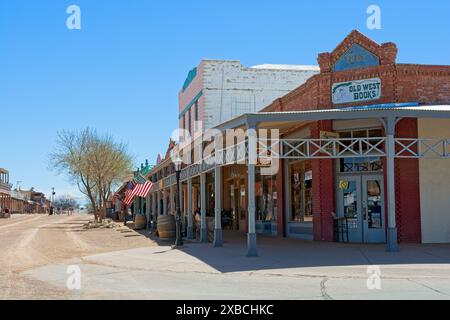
301 192
266 199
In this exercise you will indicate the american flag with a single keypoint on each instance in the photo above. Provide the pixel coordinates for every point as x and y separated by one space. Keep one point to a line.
129 193
139 190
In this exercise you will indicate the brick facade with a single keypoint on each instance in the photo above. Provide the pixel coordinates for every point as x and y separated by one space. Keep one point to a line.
281 217
407 187
323 189
424 84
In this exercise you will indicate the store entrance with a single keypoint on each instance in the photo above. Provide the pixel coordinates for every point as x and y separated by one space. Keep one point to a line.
361 201
234 215
236 207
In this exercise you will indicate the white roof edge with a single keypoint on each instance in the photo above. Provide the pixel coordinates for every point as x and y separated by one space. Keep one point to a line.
268 66
295 67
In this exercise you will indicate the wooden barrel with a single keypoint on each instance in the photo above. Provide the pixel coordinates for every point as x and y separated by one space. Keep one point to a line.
140 222
166 226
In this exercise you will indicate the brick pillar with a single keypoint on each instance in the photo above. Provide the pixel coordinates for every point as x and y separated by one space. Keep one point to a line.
407 189
323 189
281 213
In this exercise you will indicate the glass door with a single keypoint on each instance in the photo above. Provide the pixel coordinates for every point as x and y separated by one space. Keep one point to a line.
373 209
349 201
361 201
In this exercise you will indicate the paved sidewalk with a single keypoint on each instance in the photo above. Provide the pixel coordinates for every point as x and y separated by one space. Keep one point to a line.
285 269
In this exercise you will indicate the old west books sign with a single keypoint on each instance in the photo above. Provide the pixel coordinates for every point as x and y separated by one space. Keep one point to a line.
356 91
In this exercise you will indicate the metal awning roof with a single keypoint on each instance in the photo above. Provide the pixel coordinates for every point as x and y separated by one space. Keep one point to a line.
365 112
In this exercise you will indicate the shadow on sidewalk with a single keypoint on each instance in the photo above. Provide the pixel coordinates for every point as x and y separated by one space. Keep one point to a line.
282 253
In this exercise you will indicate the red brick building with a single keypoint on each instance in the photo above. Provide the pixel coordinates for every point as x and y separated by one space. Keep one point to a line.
401 83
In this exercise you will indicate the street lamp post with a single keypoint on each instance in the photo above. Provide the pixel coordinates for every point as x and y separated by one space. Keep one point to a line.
179 239
52 200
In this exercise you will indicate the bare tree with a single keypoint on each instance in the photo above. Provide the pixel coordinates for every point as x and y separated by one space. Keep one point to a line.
66 202
96 164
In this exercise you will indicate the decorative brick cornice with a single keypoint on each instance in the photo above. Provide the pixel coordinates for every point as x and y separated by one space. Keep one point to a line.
387 52
425 70
401 82
324 61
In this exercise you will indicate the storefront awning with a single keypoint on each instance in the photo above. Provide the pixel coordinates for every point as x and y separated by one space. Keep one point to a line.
363 112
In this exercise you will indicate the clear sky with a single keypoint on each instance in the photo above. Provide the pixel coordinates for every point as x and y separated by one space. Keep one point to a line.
122 71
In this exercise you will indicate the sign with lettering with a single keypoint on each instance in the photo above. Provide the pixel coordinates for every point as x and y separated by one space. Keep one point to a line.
356 57
356 91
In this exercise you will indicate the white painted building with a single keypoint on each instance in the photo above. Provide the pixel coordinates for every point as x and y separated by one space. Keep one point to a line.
218 90
434 183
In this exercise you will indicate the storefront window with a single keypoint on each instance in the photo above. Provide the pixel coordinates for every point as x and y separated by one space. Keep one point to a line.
366 164
301 192
266 198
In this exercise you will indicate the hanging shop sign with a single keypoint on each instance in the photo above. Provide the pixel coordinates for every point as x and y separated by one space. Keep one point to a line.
356 91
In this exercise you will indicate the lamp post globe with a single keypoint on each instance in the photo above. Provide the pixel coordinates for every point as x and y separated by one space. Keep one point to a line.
177 162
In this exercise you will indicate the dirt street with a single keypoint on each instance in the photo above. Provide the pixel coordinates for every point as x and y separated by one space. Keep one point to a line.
37 252
31 241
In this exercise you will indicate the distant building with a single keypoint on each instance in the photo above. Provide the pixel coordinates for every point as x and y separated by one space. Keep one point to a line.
33 201
5 192
19 202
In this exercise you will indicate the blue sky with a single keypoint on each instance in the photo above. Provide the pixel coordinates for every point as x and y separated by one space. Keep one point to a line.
122 71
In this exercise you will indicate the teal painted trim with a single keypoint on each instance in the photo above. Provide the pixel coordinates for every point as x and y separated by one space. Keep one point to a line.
384 106
191 76
198 96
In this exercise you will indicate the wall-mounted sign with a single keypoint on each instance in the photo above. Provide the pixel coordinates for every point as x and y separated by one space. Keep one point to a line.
343 184
356 57
264 162
356 91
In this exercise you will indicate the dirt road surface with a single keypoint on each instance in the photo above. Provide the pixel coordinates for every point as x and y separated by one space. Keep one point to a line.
32 241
